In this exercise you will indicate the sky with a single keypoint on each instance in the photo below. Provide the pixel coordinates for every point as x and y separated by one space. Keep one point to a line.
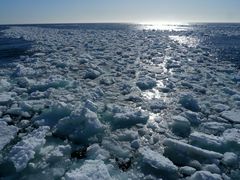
131 11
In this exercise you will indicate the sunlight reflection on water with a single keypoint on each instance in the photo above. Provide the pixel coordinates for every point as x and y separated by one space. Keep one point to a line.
155 93
186 40
165 27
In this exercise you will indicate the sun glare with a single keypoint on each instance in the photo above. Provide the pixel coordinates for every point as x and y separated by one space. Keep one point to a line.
164 26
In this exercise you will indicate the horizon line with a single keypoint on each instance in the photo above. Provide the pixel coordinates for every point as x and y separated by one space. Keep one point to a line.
136 23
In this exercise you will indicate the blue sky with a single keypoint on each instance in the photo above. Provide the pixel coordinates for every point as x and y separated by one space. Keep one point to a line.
68 11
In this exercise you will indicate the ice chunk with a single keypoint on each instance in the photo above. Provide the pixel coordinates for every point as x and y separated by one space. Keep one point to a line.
52 82
5 99
186 152
107 80
116 148
156 105
92 74
220 107
126 134
214 127
232 135
232 115
4 85
90 170
205 175
57 153
192 117
229 91
146 82
23 71
209 142
7 133
51 116
158 162
189 102
180 126
135 144
18 111
130 118
213 168
91 106
232 138
80 125
230 159
25 150
96 152
186 170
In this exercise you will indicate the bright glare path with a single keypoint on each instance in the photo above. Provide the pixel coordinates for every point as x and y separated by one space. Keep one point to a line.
189 41
165 26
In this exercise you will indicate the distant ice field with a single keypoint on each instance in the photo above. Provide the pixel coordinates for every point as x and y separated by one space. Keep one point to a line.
120 101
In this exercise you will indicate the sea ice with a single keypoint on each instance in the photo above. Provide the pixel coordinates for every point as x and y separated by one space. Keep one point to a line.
4 85
79 126
232 138
230 159
189 102
181 126
206 141
51 116
25 150
129 118
158 162
192 117
187 152
7 133
6 99
205 175
146 82
90 170
232 115
186 170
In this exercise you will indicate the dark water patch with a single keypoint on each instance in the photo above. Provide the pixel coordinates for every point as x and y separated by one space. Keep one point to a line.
12 48
88 26
80 153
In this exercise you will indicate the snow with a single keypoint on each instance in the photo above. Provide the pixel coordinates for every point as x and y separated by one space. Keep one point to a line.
90 170
24 151
7 133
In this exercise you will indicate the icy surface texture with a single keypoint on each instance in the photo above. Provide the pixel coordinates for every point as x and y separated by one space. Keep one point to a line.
90 170
119 104
7 133
25 150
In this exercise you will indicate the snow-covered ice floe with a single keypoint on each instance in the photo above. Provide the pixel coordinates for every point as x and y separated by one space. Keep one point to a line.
118 104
